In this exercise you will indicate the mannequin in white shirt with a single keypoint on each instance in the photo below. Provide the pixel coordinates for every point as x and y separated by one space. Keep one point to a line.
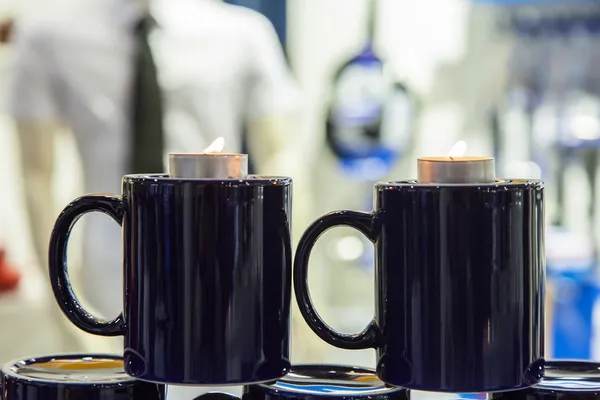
220 67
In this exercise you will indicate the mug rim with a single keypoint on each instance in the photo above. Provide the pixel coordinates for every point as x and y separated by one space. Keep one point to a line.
7 370
499 183
251 180
374 392
552 384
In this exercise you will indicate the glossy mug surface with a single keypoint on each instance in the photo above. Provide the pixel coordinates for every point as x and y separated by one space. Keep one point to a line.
74 377
207 273
460 280
563 380
326 382
319 382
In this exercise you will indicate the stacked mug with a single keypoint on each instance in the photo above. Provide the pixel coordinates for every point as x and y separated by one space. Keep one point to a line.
459 276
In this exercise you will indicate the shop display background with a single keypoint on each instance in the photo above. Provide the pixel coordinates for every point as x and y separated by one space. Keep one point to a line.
29 308
442 66
313 51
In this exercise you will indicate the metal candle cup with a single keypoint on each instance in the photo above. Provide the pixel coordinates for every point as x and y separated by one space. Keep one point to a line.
208 166
456 170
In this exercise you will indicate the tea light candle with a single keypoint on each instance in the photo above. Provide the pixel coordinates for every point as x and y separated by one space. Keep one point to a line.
456 170
210 164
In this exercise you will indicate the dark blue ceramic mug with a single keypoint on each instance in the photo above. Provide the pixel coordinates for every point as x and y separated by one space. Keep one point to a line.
325 382
563 380
460 279
319 382
74 377
207 273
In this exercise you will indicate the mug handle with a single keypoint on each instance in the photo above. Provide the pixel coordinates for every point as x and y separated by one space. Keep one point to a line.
361 221
58 269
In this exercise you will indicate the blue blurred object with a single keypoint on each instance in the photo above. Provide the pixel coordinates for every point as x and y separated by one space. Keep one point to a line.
572 325
353 123
368 127
371 168
368 122
573 291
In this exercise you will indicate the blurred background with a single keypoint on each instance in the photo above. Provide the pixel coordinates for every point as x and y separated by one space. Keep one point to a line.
338 94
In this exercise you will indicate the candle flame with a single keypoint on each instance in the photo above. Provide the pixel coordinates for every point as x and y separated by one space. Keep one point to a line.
458 150
216 146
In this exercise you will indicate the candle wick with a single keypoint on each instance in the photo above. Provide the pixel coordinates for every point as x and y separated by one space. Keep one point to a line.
452 158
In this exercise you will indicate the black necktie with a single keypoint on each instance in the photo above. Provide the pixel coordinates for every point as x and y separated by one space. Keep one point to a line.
147 129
